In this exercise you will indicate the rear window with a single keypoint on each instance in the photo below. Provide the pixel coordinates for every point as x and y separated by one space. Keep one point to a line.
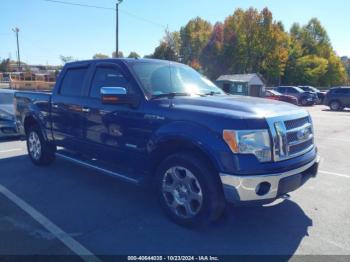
73 80
341 91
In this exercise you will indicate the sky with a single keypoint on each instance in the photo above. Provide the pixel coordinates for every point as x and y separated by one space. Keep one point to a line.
49 30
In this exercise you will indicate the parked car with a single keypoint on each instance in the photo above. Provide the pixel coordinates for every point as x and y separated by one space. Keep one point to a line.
161 123
8 125
273 94
338 98
320 94
304 98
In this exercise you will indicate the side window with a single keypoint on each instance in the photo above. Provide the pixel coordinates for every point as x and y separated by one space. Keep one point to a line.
292 90
281 89
72 83
107 77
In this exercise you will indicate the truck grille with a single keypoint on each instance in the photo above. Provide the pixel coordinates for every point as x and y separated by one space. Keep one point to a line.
291 137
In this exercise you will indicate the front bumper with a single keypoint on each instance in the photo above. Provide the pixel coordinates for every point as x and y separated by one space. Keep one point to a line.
266 188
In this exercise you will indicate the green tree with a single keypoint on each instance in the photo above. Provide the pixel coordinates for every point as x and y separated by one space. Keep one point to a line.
120 54
133 55
169 47
194 38
100 56
311 69
5 65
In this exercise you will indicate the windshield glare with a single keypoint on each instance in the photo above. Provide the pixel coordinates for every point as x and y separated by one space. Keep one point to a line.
163 78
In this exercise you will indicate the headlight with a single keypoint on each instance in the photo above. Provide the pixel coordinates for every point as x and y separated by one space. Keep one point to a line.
256 142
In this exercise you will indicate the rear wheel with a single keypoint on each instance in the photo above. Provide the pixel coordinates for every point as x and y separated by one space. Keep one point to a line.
40 151
188 190
335 105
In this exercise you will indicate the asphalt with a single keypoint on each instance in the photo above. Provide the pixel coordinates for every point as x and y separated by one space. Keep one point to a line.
109 217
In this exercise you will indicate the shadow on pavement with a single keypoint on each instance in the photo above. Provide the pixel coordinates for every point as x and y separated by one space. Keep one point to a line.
110 217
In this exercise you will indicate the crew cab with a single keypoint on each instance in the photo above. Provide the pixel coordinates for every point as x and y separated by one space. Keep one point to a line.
162 124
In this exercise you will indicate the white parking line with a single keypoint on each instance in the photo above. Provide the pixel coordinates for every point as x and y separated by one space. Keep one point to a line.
11 150
334 174
67 240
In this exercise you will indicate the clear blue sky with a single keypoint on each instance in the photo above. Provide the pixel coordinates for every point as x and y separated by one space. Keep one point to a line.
49 30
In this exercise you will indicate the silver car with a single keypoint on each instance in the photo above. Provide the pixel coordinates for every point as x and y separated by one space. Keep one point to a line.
8 124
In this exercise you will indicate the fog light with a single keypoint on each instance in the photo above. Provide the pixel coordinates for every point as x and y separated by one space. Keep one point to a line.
263 188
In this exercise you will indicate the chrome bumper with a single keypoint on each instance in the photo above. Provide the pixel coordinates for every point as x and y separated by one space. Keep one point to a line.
245 188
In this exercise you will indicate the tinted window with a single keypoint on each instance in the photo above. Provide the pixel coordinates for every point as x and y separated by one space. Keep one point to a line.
73 80
107 77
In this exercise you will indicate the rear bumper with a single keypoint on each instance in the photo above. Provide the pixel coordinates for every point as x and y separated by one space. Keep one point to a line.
266 188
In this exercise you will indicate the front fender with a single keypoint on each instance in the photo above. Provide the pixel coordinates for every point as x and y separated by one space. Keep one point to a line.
208 141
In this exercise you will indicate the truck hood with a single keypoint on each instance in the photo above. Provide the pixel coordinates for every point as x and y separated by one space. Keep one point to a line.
236 106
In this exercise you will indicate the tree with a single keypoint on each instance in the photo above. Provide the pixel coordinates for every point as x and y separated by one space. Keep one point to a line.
66 59
133 55
120 54
5 65
194 38
169 47
311 69
100 56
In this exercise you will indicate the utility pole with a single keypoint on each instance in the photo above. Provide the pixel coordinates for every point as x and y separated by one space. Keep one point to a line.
16 30
117 28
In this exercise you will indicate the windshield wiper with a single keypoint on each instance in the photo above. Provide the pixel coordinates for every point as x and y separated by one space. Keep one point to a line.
211 93
169 95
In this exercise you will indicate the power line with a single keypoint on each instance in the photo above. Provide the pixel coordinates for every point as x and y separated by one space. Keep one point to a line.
107 8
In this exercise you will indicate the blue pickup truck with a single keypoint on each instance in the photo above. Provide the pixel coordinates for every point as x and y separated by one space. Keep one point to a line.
162 124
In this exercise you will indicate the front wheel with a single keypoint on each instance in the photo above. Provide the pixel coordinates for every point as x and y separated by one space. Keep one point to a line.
40 152
304 102
188 190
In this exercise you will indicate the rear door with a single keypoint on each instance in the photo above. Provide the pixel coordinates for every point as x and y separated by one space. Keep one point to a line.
67 110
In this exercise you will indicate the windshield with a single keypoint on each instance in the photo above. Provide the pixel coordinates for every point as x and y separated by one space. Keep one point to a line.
169 78
6 98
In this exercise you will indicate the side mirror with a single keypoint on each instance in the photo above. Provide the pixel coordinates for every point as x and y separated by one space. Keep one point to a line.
117 95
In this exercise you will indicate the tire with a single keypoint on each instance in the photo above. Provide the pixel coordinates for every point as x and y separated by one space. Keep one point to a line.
189 191
335 105
40 152
304 102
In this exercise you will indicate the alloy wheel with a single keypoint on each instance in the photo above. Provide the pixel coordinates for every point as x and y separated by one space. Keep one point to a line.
182 192
34 145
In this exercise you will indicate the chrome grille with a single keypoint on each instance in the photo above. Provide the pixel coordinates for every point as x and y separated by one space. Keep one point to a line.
291 124
292 136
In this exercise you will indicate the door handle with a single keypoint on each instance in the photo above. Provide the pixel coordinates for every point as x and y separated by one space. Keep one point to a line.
86 109
55 105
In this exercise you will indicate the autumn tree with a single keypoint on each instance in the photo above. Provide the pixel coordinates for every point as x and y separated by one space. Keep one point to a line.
169 47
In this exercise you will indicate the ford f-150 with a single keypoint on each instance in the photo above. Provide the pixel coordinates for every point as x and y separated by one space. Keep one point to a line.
162 124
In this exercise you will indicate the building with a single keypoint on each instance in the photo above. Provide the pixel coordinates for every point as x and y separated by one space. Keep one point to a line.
242 84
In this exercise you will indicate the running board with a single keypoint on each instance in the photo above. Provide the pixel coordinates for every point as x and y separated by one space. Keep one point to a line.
97 168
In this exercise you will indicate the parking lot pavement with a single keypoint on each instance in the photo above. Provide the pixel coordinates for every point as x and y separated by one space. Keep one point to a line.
106 216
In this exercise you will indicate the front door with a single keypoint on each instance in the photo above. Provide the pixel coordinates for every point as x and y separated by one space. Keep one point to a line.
113 131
